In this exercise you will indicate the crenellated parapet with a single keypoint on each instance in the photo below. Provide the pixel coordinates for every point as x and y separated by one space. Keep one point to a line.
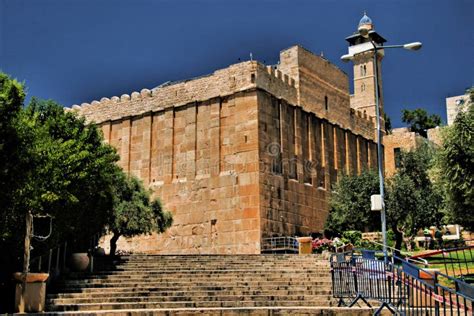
236 78
282 82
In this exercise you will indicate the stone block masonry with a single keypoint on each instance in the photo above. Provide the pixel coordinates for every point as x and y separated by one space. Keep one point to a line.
247 152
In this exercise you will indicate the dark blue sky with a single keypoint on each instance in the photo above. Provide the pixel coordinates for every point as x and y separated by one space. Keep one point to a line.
78 51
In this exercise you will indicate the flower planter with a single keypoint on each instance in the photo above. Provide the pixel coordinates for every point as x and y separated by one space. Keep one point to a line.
30 292
304 245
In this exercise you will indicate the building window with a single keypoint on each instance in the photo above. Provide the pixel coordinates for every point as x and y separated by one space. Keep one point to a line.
397 156
363 70
362 87
326 103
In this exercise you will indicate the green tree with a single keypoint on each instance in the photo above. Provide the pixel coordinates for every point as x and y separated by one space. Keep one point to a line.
350 204
388 123
73 176
52 162
134 213
15 158
419 121
456 167
413 202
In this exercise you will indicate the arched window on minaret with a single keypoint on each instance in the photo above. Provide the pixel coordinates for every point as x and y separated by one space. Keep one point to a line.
362 87
363 70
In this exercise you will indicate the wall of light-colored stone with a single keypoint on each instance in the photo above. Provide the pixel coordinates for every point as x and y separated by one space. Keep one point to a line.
201 159
435 135
454 105
399 138
316 79
301 157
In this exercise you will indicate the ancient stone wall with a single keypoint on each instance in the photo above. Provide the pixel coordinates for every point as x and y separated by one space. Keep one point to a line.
323 89
400 139
301 157
195 144
435 135
201 159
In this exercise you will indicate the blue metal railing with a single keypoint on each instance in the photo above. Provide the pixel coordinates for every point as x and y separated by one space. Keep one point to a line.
400 286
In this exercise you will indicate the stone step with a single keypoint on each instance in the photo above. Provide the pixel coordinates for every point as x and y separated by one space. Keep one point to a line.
215 283
120 273
171 298
186 275
230 311
196 283
183 304
222 263
190 287
217 269
222 256
232 258
246 258
254 263
192 274
164 277
212 284
209 268
190 278
177 292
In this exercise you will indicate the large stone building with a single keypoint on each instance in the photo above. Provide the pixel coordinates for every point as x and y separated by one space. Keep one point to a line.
247 152
456 104
400 139
403 139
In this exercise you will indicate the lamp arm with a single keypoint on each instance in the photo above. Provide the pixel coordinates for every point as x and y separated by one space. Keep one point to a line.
378 47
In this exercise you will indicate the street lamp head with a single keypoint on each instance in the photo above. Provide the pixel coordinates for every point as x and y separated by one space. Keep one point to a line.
413 46
347 57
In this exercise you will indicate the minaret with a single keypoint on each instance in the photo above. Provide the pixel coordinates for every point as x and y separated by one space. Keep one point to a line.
360 45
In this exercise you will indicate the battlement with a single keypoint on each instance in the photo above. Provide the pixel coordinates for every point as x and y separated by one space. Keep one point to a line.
235 78
301 79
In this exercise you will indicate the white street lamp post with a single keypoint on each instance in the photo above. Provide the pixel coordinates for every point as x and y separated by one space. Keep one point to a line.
410 46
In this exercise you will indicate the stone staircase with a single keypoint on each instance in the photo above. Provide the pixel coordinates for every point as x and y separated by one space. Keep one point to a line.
201 284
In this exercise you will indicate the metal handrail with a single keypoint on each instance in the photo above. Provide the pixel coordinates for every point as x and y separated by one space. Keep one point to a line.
56 259
419 260
283 243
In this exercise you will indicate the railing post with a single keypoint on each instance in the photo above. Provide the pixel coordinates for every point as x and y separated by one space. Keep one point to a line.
91 266
57 260
64 255
436 293
49 259
39 263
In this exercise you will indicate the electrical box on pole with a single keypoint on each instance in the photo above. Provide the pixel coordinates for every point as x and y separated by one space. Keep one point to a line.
376 202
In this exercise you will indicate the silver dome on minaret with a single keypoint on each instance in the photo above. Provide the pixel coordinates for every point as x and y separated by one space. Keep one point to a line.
365 25
365 20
